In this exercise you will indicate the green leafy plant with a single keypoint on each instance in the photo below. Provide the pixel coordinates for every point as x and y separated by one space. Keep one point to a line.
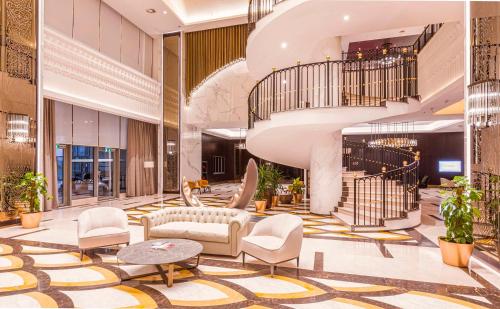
9 191
262 185
31 186
273 178
458 211
297 186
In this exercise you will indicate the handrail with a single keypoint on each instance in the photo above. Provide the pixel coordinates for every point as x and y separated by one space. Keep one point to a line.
258 9
337 83
396 51
384 194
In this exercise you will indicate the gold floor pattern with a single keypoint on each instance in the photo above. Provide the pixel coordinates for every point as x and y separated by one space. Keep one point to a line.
314 225
99 282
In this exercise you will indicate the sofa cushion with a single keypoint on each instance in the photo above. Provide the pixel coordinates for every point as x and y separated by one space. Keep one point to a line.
265 242
213 232
103 231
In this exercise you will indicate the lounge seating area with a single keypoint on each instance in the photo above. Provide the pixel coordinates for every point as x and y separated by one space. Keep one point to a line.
219 230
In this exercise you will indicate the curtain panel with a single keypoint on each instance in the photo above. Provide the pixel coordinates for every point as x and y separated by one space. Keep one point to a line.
49 153
141 158
208 50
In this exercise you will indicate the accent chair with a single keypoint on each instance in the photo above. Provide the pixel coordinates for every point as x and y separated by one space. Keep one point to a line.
247 188
102 227
274 240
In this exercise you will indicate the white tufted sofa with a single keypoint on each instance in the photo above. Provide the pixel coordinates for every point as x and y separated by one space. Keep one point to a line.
219 230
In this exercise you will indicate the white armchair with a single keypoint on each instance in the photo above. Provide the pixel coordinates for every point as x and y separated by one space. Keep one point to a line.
101 227
274 240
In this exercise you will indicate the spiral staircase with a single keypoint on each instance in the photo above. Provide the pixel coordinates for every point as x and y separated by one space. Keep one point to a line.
296 115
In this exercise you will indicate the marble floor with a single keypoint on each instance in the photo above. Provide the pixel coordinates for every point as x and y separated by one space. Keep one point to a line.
338 268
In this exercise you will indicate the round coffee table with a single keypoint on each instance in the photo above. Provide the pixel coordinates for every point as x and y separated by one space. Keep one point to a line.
143 253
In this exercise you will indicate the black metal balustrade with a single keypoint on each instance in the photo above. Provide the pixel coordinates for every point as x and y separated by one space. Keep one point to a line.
395 51
487 226
333 84
257 9
392 189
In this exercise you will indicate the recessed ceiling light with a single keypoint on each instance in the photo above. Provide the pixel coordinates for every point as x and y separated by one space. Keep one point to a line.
347 17
284 45
402 31
165 12
151 11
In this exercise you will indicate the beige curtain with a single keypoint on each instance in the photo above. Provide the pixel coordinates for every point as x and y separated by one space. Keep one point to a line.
49 152
141 148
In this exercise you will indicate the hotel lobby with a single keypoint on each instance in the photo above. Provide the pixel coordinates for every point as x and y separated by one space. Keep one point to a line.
249 154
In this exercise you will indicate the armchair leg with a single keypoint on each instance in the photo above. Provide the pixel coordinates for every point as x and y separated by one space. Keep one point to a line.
272 270
297 266
81 255
243 257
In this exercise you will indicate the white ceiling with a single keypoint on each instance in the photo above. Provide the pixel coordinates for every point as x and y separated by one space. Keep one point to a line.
174 15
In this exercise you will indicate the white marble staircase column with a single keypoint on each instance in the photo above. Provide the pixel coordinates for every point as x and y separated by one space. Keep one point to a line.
326 173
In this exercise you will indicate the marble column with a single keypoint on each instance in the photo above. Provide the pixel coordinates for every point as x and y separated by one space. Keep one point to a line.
326 173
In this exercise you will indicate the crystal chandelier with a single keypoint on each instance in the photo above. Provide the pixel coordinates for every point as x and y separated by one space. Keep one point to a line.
484 103
395 134
18 128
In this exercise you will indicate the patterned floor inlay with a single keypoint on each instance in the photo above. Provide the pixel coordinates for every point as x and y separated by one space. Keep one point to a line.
314 225
55 279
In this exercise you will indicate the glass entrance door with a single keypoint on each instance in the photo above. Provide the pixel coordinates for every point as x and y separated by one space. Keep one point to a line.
106 173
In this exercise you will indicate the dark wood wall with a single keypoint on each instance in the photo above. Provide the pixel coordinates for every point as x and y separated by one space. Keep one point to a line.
434 147
236 161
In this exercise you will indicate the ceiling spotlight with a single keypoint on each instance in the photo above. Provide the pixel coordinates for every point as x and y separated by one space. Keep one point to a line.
151 11
347 17
165 12
284 45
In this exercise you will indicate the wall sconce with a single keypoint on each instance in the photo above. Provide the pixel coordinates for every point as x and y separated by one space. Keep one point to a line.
18 128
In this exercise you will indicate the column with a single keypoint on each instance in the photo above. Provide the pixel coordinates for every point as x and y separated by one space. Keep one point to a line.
326 173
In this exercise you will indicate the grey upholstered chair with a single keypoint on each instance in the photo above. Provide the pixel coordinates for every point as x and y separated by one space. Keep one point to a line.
247 188
187 195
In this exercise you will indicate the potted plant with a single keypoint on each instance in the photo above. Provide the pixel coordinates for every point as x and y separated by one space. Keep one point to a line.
296 188
32 186
260 193
458 212
285 197
273 178
10 193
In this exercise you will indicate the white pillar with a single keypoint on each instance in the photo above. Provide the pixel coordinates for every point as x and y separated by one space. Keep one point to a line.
326 173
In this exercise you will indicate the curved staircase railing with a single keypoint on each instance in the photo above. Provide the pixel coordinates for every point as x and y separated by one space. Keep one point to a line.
257 9
364 82
390 190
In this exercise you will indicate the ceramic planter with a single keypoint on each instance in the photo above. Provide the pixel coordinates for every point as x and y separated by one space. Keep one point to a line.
31 220
260 206
285 198
275 200
455 254
297 198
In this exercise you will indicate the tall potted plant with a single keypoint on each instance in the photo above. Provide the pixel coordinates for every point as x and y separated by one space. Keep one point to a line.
297 189
262 188
274 177
32 186
458 212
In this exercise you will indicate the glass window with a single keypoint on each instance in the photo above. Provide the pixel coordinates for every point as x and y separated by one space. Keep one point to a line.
106 172
82 178
60 175
123 171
